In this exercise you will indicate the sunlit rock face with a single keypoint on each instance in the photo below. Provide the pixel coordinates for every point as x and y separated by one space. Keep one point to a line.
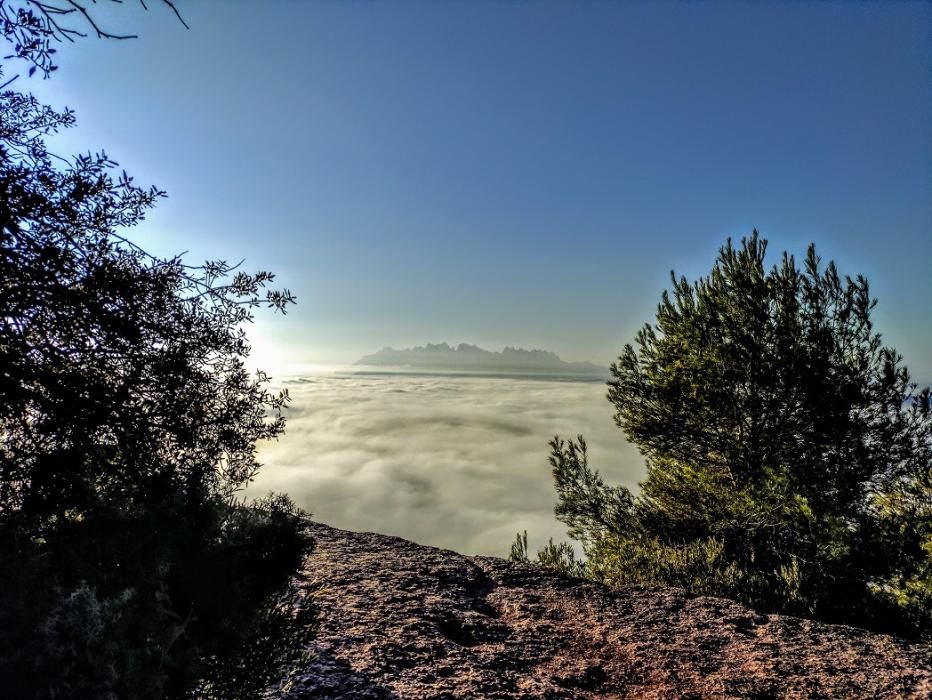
406 621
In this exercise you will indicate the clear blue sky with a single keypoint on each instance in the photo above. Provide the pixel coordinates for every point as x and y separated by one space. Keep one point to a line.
517 173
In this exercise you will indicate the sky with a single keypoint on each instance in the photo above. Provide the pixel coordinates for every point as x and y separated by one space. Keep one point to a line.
516 173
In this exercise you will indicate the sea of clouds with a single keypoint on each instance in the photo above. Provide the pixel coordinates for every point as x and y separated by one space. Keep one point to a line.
454 462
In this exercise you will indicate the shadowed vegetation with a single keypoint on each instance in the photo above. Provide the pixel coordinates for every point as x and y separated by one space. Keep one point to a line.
129 567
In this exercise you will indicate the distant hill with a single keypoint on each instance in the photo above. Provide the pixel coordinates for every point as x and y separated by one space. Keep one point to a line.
471 358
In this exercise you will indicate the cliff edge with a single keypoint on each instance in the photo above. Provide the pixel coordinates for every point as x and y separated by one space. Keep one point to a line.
401 620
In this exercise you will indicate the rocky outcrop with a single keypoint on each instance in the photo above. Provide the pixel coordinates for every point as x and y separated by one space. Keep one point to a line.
402 620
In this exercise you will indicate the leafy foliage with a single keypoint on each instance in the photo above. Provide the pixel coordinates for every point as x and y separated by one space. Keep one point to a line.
129 567
34 27
789 456
557 556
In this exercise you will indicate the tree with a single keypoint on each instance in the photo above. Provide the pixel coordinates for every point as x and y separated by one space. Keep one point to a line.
789 455
34 27
129 566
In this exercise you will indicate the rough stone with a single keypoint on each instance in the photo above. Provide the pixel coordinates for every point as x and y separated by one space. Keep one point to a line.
401 620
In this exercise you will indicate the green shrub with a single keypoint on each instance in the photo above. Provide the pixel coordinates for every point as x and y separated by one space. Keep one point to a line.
789 455
558 557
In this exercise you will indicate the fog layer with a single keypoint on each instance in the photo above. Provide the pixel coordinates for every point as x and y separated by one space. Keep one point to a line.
455 462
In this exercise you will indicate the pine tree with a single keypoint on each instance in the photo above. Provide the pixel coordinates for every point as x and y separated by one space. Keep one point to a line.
788 452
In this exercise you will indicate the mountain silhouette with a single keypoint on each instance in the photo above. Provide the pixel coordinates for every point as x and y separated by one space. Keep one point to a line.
465 357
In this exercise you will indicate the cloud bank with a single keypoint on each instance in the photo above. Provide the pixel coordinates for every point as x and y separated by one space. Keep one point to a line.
454 462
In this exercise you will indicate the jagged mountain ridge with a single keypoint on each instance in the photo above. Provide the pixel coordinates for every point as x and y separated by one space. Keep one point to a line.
466 357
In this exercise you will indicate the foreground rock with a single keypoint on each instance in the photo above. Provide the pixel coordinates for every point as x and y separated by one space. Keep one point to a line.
406 621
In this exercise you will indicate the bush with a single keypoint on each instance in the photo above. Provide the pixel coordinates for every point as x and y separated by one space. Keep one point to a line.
129 567
789 455
559 557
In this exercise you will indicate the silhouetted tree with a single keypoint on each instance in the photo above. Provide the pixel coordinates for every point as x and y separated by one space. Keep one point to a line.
34 27
129 567
789 456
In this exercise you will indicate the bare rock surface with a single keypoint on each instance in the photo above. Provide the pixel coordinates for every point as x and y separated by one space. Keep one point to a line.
401 620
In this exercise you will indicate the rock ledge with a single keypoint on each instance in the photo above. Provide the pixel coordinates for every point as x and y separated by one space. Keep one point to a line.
401 620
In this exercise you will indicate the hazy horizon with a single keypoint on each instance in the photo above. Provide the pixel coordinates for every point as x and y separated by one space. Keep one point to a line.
515 174
349 364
